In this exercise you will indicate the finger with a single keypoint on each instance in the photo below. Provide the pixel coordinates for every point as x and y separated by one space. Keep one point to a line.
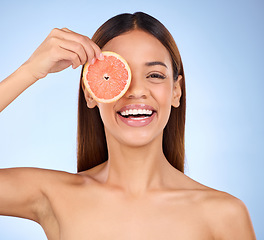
66 30
70 56
97 51
91 49
74 47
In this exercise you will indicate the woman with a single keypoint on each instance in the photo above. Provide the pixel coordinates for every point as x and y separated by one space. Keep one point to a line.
130 182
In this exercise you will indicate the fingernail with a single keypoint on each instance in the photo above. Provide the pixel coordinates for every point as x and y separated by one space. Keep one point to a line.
93 61
101 56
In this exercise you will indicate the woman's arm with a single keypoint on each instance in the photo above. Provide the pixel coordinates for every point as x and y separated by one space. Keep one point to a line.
61 49
29 192
21 192
14 85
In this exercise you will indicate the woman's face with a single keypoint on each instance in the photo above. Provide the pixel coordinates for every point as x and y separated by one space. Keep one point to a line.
152 88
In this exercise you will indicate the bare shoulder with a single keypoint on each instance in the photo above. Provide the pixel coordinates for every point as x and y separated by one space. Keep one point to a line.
45 176
34 180
26 192
227 215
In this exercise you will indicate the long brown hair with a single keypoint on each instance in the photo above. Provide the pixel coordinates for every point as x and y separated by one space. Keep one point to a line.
91 140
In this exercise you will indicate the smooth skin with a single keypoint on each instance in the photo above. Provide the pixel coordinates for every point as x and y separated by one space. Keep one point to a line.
136 194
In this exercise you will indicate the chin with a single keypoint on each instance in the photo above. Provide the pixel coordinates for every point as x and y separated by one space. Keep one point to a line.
138 138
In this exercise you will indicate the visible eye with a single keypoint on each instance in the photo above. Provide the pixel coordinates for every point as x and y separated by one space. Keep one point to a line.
156 75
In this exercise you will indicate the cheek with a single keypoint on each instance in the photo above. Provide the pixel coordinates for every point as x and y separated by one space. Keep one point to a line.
162 93
106 113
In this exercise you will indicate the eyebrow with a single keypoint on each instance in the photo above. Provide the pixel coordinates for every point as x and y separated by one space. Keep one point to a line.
149 64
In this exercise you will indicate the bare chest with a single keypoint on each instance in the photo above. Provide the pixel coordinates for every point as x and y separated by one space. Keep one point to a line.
133 226
109 218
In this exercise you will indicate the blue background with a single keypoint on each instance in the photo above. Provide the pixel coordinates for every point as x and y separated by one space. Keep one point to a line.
221 44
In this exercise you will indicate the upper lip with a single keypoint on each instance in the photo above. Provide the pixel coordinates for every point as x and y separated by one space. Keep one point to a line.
136 106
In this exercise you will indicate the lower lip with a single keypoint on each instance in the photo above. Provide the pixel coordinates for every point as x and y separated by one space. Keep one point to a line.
137 122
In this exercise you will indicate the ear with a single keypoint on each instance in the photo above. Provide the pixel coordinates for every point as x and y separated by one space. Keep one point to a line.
176 94
91 103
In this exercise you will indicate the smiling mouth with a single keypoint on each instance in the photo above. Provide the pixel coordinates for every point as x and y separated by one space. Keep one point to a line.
137 114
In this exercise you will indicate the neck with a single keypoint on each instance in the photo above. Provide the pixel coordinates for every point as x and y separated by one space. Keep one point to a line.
136 170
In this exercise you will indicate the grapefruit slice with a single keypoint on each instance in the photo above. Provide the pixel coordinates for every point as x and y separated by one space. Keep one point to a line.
107 80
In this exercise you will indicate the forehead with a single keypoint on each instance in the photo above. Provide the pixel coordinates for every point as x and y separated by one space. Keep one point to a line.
138 47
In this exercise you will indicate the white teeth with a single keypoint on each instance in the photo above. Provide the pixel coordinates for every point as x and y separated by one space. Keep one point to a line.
135 112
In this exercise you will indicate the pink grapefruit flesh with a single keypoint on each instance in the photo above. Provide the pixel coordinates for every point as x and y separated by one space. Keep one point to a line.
107 80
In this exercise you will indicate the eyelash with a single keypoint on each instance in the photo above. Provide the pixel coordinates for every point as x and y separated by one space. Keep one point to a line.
156 75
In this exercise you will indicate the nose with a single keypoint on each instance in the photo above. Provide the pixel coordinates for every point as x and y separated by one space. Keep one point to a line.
137 88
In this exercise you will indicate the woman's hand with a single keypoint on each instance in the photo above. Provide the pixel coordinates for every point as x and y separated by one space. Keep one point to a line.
61 49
